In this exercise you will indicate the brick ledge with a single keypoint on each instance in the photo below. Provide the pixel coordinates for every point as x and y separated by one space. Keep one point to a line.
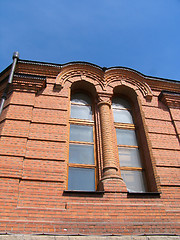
53 237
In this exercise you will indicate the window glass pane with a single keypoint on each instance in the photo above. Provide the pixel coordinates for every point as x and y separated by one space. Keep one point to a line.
81 133
126 137
81 112
120 103
134 180
129 157
80 98
82 154
122 116
82 179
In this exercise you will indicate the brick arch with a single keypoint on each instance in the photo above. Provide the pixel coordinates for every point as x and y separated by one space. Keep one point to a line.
103 80
125 77
83 85
81 72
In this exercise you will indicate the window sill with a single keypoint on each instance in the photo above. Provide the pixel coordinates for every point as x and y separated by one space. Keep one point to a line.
143 194
83 193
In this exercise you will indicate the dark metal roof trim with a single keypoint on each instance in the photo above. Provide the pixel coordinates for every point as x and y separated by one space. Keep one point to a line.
83 63
40 63
145 76
57 65
102 68
91 64
169 92
19 75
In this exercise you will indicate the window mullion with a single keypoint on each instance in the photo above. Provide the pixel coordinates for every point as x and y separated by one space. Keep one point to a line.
127 146
132 168
82 165
83 143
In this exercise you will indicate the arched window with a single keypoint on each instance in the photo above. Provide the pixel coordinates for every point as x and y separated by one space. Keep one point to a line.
131 166
82 164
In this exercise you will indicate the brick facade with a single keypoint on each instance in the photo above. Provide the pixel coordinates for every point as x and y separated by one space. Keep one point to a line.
34 133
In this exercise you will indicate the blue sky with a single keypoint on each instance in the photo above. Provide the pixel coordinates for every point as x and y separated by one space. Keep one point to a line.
139 34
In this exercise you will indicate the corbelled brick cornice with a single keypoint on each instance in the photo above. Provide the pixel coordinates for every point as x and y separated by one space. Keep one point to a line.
37 68
170 99
104 77
28 82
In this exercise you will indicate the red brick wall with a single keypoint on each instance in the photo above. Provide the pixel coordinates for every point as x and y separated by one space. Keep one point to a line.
33 171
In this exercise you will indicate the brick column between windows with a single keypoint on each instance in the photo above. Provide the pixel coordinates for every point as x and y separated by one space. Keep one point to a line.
110 169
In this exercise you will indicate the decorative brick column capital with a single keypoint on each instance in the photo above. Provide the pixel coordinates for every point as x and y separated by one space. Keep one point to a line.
104 99
103 102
